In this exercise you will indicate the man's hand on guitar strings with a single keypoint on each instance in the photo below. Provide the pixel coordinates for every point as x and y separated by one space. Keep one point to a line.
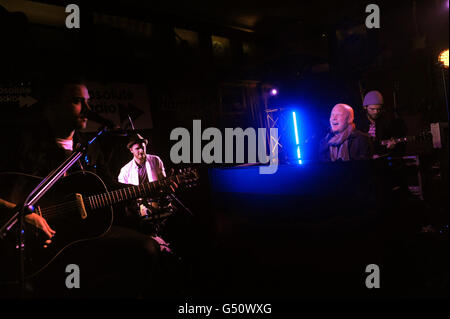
39 222
390 144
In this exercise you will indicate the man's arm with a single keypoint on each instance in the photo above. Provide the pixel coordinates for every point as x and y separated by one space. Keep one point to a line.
32 218
161 171
122 176
5 204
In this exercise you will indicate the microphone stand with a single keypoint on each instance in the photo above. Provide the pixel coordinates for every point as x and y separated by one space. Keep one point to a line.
444 82
131 122
37 194
181 204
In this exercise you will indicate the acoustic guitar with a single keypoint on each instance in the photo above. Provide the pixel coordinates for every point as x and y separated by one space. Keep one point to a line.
78 207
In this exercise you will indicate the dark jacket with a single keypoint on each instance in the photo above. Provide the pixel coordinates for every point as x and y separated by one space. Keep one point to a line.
386 127
359 147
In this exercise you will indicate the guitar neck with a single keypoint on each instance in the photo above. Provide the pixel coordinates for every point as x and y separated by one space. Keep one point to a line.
398 140
417 138
126 194
403 139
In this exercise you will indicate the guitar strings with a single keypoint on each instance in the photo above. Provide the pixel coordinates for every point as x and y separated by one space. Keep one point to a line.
59 209
95 200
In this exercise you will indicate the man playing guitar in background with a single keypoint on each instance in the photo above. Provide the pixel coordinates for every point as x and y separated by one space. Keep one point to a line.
144 168
380 127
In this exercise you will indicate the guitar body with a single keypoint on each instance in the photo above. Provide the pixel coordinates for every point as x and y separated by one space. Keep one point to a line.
65 209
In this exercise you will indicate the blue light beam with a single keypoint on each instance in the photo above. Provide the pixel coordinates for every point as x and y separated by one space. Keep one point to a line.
297 142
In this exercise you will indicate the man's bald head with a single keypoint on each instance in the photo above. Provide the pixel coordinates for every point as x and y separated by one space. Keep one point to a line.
341 117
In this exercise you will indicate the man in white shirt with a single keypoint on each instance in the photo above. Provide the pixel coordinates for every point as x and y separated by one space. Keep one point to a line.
143 167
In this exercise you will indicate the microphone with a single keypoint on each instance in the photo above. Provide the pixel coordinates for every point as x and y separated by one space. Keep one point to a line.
101 120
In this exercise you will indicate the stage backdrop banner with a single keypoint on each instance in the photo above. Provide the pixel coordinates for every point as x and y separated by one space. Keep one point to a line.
16 96
119 102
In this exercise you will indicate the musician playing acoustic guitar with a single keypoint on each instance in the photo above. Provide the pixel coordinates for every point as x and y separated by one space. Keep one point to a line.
384 129
144 168
379 126
121 261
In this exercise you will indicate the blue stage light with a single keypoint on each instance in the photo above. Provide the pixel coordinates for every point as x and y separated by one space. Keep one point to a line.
297 141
